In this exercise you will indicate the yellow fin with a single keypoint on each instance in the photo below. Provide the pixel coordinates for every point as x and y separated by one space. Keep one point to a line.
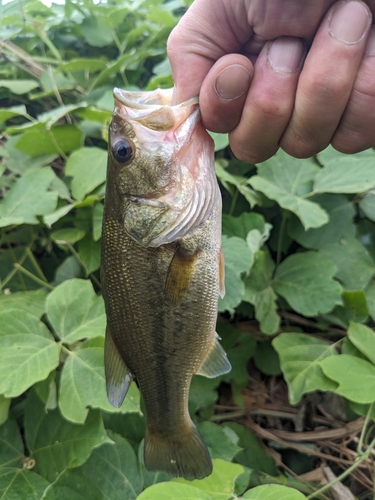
221 274
117 374
183 454
216 362
179 275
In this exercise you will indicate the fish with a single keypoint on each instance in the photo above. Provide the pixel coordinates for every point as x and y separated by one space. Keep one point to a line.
162 270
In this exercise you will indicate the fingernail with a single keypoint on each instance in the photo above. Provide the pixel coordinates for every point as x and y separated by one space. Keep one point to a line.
232 82
370 44
285 54
349 22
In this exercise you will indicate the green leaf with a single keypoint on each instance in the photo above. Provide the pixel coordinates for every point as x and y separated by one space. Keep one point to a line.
172 491
266 359
220 484
111 472
28 352
75 311
350 174
52 116
341 213
7 113
239 182
33 302
57 444
300 360
221 140
238 258
253 454
4 408
355 267
305 281
89 252
356 305
60 139
288 181
367 204
28 198
82 64
259 292
97 219
21 483
57 215
355 377
68 235
96 31
242 225
19 87
87 167
222 442
370 298
273 492
11 445
83 384
364 340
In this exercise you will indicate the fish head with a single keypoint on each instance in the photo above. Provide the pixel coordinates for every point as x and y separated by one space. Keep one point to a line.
158 154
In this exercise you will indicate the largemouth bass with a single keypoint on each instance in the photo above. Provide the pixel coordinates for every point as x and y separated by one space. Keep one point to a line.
162 270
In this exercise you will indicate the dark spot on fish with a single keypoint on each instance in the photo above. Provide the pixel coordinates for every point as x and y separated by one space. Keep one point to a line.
123 151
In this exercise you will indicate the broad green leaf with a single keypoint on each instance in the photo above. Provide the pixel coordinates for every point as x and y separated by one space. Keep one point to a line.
300 357
68 235
7 113
288 181
28 352
355 267
253 454
28 198
221 483
221 141
202 394
19 87
33 302
52 116
273 492
82 64
4 408
367 204
58 214
47 391
238 259
266 359
239 354
96 31
242 225
229 180
222 442
330 153
350 174
355 304
370 298
259 292
355 377
97 219
172 491
21 483
60 139
111 472
57 444
341 213
68 270
363 338
83 384
11 445
87 167
75 311
89 252
305 281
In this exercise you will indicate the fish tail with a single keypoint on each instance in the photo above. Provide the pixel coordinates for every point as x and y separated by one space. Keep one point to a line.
184 454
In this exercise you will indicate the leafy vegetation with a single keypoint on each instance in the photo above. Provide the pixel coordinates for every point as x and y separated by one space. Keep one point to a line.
297 319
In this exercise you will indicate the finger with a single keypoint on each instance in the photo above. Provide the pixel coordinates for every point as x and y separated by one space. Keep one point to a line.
327 78
203 35
269 102
356 131
223 92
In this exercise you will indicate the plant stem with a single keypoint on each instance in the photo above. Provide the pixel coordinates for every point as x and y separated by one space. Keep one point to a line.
33 277
234 201
346 473
280 239
363 432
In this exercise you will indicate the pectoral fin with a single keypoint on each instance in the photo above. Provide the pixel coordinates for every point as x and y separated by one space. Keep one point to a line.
221 274
216 362
117 374
179 275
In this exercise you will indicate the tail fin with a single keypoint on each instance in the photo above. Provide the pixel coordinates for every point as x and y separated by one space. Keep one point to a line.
182 454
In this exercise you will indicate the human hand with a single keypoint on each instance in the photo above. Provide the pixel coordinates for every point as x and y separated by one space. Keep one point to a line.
246 60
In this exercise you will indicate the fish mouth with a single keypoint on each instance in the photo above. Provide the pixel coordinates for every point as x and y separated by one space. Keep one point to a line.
150 100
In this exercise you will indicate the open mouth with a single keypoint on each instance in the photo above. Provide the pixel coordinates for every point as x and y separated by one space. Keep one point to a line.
150 100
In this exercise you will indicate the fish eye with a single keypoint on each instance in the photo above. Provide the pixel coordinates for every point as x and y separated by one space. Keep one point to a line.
122 151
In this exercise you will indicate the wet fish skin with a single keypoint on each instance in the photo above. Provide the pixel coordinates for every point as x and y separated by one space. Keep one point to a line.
162 270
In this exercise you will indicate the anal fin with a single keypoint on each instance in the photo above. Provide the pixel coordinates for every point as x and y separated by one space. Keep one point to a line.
216 362
117 374
179 275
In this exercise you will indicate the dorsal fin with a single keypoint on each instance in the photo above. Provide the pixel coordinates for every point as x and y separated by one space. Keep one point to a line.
179 275
117 374
216 362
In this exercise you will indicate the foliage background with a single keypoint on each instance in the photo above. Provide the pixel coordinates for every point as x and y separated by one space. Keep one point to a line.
298 238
